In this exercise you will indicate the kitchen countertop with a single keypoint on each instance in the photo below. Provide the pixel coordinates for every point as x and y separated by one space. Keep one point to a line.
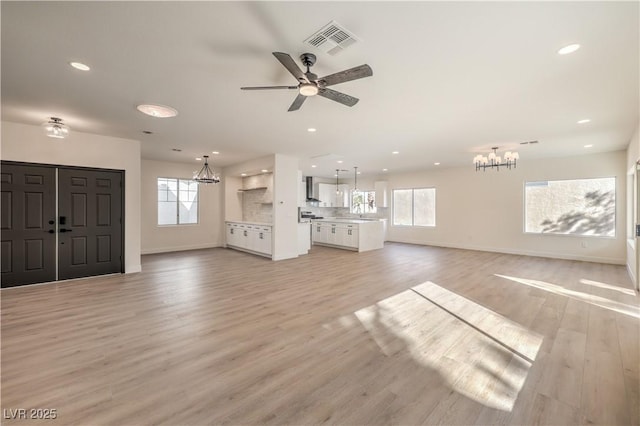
347 220
249 223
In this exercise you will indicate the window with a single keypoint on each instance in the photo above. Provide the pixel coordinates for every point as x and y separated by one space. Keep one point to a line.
414 207
363 202
177 201
577 207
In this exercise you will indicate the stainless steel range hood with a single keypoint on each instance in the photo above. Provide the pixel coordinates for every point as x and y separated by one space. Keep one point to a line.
312 190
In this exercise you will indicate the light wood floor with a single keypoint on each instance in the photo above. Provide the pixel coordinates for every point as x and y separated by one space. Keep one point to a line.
404 335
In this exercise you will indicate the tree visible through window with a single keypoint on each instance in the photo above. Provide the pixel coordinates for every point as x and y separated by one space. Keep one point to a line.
177 201
414 207
363 202
577 207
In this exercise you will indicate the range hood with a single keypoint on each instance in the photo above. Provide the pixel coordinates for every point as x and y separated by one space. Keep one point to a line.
312 190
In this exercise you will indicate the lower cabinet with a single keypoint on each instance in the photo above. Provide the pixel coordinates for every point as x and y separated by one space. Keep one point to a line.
336 234
249 237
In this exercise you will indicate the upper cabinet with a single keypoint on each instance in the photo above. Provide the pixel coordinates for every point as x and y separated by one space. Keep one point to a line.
332 196
381 193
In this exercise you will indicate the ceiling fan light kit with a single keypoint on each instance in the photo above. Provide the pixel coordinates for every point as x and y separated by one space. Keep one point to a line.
493 160
310 85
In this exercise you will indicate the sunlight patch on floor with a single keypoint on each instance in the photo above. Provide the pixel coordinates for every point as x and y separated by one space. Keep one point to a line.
477 364
622 290
612 305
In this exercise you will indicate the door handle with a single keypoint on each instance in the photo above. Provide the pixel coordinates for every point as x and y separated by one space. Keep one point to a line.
51 231
66 230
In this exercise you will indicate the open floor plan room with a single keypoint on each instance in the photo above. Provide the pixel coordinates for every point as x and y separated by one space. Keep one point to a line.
403 335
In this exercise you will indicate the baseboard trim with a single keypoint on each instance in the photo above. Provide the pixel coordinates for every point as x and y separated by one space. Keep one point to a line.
179 248
551 255
133 269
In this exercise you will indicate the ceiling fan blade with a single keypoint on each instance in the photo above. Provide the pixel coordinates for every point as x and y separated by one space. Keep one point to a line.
348 75
338 97
268 87
290 65
297 102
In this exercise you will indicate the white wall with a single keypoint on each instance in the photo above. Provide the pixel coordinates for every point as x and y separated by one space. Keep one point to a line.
27 143
206 233
633 155
285 207
485 210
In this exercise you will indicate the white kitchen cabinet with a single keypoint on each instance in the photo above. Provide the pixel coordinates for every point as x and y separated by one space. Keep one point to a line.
381 193
350 234
262 239
255 238
330 196
321 232
233 234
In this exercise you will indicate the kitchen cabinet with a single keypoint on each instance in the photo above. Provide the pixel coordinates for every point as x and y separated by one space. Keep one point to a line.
251 237
329 198
321 232
350 234
381 193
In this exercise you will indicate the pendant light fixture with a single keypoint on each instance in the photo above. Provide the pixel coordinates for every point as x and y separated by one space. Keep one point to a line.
55 128
206 174
338 192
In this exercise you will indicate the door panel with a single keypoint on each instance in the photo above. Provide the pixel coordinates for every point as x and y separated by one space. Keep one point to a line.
90 209
28 224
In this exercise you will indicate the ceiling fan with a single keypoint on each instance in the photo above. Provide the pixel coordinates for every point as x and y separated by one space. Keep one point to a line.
310 85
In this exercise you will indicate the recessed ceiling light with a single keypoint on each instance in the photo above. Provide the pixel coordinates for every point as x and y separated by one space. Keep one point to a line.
588 146
158 111
80 66
359 172
436 164
243 174
340 161
264 170
586 120
384 170
335 175
314 166
198 159
147 132
568 49
396 152
311 130
215 152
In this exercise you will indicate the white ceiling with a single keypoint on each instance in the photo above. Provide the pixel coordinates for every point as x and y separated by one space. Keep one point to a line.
451 79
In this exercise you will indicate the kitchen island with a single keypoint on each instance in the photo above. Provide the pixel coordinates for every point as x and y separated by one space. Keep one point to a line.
349 234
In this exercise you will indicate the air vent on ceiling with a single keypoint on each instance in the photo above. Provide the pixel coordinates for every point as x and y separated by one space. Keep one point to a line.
332 38
528 142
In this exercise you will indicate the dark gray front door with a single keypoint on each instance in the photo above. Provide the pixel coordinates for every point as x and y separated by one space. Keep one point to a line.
90 222
28 213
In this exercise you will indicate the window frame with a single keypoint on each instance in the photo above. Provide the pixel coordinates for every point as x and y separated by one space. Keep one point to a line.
177 202
555 234
365 192
413 225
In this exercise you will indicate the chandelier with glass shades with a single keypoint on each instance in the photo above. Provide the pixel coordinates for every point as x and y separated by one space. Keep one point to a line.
55 128
493 160
206 174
